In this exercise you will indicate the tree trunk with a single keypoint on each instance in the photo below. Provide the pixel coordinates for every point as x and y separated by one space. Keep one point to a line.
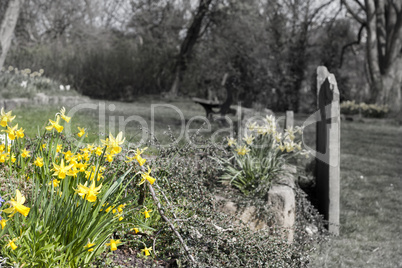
7 28
187 45
392 86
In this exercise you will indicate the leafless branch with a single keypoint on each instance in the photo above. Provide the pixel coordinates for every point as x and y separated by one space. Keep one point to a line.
359 36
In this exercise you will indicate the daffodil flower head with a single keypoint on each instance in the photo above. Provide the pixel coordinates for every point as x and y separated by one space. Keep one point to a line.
231 141
12 244
63 116
146 213
5 118
61 171
3 223
82 132
146 251
113 143
89 192
90 246
25 153
248 139
147 177
17 205
55 125
242 150
11 131
113 244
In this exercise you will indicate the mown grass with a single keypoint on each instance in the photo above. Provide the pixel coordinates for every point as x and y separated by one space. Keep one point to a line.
371 210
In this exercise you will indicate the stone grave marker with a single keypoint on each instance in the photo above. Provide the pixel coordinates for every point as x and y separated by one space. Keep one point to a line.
289 119
328 148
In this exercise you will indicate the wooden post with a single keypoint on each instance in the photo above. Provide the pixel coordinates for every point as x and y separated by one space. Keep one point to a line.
328 148
289 120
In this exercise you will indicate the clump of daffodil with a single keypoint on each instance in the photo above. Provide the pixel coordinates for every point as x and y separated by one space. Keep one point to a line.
17 205
113 244
5 118
147 177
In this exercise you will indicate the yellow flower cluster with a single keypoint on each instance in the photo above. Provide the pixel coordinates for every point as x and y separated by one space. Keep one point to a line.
80 170
24 72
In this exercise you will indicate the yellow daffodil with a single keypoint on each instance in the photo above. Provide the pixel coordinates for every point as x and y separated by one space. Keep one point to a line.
248 139
146 251
278 137
17 205
82 132
242 150
298 146
61 170
146 213
253 126
55 183
146 176
25 153
290 133
113 144
89 245
3 223
59 147
38 162
120 207
136 230
3 157
281 147
12 244
5 117
11 131
89 192
109 157
231 141
121 218
63 116
20 133
289 146
55 125
44 146
113 244
13 158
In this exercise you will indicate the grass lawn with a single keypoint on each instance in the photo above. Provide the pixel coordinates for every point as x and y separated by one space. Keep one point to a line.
371 168
371 200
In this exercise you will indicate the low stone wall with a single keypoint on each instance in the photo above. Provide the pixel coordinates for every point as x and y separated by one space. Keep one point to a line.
282 201
41 99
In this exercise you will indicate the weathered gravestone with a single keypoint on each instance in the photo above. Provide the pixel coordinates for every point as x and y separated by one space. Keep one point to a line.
328 148
289 119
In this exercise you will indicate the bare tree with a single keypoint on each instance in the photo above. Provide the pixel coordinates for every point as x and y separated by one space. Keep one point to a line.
8 23
187 45
382 20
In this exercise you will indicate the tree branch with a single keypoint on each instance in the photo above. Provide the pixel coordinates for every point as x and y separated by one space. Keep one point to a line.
158 204
354 14
359 37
